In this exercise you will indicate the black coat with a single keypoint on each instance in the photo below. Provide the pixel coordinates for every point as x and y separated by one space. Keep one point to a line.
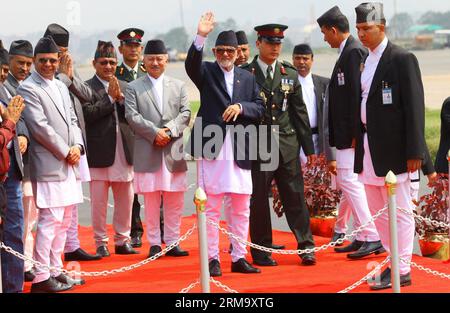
214 100
344 100
395 131
101 127
320 87
441 163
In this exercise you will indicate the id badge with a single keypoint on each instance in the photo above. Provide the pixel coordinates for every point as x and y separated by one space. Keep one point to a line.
341 79
387 96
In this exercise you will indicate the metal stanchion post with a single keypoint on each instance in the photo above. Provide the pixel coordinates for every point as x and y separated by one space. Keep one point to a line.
391 183
200 201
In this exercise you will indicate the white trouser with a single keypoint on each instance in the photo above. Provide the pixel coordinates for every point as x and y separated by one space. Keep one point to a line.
30 216
173 203
239 223
344 213
378 199
354 198
50 238
72 241
123 202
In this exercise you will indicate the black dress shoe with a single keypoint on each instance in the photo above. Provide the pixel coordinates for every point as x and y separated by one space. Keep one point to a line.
368 248
154 250
125 249
385 280
265 260
354 246
308 258
214 268
337 236
277 247
80 255
177 251
242 266
103 251
63 278
136 242
28 276
49 285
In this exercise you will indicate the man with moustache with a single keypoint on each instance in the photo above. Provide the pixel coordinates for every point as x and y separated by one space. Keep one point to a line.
55 150
244 49
20 58
110 142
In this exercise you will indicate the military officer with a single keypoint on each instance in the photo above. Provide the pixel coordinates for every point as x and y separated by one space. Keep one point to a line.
130 48
285 109
131 69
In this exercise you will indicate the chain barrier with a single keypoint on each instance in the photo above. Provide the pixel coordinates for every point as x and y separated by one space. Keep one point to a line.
424 219
220 285
310 250
426 269
188 288
367 277
105 272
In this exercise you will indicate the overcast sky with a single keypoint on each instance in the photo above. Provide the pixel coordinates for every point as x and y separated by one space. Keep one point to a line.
20 17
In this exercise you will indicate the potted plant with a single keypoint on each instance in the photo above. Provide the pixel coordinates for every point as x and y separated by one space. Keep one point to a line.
321 200
434 240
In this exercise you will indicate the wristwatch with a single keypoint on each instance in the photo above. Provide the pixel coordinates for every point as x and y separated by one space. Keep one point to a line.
169 133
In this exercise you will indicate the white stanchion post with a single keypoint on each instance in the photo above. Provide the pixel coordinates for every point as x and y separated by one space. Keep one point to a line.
391 183
200 202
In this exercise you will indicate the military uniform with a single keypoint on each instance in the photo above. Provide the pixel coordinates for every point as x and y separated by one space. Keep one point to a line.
286 110
122 72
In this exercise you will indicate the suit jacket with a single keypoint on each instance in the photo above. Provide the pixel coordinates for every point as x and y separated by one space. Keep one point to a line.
17 159
320 87
441 163
53 127
344 101
101 126
122 72
294 128
145 118
80 93
395 131
214 100
11 84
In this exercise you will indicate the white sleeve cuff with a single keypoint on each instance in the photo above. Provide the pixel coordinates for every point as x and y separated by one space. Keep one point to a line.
199 42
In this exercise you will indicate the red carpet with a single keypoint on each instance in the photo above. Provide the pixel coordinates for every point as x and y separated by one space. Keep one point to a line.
332 273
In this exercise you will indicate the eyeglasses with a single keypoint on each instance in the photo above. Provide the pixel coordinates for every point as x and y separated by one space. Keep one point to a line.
227 50
104 63
45 60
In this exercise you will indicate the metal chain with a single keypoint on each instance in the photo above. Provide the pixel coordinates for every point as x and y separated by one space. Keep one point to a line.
365 278
426 269
310 250
188 288
424 219
102 273
220 285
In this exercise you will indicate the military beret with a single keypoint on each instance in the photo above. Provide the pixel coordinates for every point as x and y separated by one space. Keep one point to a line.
131 35
370 12
105 49
21 47
241 37
271 32
59 34
331 17
227 38
46 45
303 49
155 46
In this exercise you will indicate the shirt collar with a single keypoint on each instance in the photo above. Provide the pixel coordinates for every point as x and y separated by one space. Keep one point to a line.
342 45
156 80
307 79
136 68
48 81
264 66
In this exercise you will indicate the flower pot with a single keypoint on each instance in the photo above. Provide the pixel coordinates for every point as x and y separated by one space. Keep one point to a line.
323 226
435 245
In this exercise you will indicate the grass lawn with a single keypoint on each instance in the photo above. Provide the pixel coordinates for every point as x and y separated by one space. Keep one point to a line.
432 127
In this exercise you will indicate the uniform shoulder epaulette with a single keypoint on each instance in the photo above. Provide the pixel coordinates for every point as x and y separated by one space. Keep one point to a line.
288 65
245 66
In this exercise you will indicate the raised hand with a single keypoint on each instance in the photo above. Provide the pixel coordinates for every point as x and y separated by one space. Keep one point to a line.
14 109
206 24
65 65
